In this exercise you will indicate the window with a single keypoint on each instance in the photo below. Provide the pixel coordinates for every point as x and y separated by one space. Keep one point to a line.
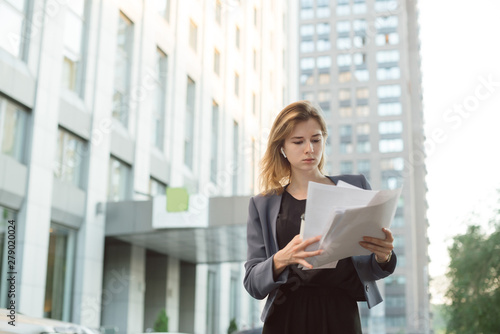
385 5
118 180
362 75
236 84
322 12
359 7
163 8
323 28
13 129
396 164
218 12
306 79
363 111
74 36
390 127
343 26
323 44
307 63
59 278
363 146
344 94
343 60
309 96
388 56
345 112
359 41
189 123
216 61
346 148
363 129
364 168
362 93
193 35
306 3
345 77
388 73
386 23
390 145
14 37
395 280
324 78
324 96
156 187
214 150
387 39
324 62
123 70
343 10
345 130
359 25
159 103
389 91
389 109
346 167
306 46
306 30
237 37
306 13
69 158
343 43
359 58
395 301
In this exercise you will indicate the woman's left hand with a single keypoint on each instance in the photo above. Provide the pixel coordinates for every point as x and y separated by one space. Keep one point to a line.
382 248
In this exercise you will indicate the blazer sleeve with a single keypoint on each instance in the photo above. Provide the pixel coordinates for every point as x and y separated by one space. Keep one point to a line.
258 280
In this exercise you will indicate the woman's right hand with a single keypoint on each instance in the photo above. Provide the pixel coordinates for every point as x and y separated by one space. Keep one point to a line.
294 253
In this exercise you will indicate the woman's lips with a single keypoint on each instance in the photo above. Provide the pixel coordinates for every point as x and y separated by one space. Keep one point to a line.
308 160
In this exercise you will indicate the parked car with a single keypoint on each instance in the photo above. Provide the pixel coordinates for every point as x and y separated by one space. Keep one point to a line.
32 325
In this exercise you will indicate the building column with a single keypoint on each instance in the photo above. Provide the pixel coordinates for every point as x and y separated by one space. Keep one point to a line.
173 293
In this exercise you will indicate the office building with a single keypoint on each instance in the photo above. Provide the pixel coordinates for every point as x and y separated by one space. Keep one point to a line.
105 106
359 59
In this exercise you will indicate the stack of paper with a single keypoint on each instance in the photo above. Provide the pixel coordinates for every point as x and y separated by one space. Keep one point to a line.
342 215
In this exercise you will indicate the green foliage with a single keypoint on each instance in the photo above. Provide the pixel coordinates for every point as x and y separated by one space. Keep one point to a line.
474 273
161 323
232 327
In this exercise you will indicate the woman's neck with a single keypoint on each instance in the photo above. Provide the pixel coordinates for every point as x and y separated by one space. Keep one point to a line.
299 181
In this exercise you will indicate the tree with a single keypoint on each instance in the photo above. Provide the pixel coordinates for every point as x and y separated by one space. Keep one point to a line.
161 323
474 273
232 327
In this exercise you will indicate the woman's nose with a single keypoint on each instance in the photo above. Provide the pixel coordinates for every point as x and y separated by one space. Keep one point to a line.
310 147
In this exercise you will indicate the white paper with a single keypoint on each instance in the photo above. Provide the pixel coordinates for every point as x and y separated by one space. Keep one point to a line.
342 215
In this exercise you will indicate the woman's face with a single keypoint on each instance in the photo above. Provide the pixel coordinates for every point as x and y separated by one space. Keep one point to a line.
304 146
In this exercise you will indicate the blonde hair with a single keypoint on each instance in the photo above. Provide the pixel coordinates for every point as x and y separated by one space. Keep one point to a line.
275 170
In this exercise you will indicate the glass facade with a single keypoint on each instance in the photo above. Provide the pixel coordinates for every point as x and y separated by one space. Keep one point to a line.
59 280
159 103
14 37
123 70
74 46
13 129
119 179
71 153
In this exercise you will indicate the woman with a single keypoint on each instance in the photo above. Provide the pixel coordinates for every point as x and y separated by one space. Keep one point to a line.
305 301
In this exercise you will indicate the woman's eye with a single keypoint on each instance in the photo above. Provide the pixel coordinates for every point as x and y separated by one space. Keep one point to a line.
316 140
298 143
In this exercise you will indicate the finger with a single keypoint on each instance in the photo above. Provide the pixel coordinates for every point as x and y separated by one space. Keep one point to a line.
388 234
376 248
377 241
309 254
305 263
308 242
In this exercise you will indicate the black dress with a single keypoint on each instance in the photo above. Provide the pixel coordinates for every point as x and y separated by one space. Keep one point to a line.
313 301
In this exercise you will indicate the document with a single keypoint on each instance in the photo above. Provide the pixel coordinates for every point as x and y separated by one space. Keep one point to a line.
342 215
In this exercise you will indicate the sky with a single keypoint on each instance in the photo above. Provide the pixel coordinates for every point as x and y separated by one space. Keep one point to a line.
460 51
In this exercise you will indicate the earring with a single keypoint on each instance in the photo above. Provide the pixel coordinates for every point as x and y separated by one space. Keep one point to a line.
283 152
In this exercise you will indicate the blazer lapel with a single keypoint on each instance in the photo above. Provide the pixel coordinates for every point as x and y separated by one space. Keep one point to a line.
274 209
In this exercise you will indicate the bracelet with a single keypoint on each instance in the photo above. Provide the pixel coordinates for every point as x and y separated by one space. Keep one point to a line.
388 258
